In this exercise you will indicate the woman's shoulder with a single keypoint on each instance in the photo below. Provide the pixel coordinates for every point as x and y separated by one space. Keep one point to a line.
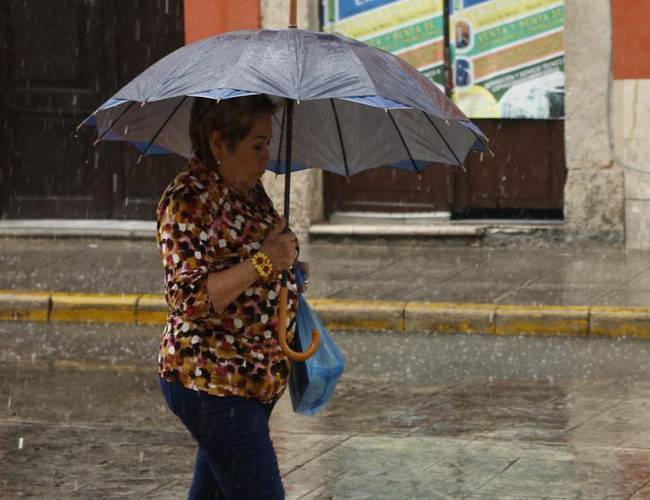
190 188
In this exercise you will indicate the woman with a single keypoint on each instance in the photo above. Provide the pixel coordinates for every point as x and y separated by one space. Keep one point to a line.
223 246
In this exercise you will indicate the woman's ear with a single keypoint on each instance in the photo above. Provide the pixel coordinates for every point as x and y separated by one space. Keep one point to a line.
216 144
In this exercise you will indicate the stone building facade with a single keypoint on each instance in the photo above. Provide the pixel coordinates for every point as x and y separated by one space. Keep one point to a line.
607 67
607 108
607 193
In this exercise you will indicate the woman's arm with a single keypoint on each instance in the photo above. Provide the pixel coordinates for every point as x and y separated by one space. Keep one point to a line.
225 286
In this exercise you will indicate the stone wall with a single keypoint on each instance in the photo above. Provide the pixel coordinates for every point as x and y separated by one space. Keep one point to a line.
306 186
594 195
631 123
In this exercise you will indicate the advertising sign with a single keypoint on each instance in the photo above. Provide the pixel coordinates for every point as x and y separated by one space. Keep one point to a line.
410 29
508 58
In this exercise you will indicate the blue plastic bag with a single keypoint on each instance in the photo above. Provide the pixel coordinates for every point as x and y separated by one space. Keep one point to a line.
313 381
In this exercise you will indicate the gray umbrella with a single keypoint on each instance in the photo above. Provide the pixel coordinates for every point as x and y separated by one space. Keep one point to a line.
356 107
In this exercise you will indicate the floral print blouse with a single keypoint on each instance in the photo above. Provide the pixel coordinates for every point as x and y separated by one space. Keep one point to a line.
204 226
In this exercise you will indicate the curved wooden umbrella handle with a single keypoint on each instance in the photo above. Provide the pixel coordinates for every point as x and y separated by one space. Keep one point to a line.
282 333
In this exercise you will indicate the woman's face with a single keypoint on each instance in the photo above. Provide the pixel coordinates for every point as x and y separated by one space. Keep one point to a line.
245 164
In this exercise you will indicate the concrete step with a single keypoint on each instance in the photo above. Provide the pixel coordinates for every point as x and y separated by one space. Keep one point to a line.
75 228
434 230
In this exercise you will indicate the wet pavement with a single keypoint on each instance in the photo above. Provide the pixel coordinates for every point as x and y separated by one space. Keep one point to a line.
534 276
416 416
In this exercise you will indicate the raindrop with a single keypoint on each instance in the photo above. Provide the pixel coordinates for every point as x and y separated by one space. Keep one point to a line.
9 402
141 456
21 442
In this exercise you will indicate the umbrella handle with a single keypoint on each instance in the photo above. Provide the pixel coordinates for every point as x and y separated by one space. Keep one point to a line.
282 333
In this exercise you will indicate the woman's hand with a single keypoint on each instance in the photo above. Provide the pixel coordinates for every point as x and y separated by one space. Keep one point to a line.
281 248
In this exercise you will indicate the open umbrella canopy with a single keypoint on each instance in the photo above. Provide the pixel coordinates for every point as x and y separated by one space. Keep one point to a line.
358 107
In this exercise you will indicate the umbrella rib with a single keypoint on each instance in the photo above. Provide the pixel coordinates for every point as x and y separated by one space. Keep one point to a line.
408 151
338 129
443 138
111 125
160 129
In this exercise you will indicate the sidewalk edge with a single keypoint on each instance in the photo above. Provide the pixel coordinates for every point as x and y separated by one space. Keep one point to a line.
343 314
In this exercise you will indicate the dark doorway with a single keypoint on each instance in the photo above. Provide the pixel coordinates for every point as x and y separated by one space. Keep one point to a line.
60 60
525 179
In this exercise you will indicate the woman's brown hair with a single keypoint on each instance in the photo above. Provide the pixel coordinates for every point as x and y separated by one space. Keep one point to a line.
233 118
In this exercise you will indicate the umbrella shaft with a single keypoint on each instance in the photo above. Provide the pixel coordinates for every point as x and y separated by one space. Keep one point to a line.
293 13
287 173
287 161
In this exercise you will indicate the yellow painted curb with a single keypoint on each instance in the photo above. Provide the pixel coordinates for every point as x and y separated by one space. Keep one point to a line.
96 308
151 310
620 321
340 314
542 320
448 317
24 306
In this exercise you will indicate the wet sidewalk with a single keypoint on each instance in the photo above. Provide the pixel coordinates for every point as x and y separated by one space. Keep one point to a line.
361 271
414 417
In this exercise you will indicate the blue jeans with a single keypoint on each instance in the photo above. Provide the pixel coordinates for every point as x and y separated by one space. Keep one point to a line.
235 459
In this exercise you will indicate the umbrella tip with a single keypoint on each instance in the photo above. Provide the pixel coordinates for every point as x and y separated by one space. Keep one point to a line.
143 103
139 159
96 142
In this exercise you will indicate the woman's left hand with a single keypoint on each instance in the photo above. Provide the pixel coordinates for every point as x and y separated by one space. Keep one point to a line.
304 267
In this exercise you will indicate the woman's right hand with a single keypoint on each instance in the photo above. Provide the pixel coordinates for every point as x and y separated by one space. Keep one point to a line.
281 248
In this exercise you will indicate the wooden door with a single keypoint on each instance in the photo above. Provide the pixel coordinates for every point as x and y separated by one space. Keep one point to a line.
525 178
52 76
60 61
146 30
390 190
